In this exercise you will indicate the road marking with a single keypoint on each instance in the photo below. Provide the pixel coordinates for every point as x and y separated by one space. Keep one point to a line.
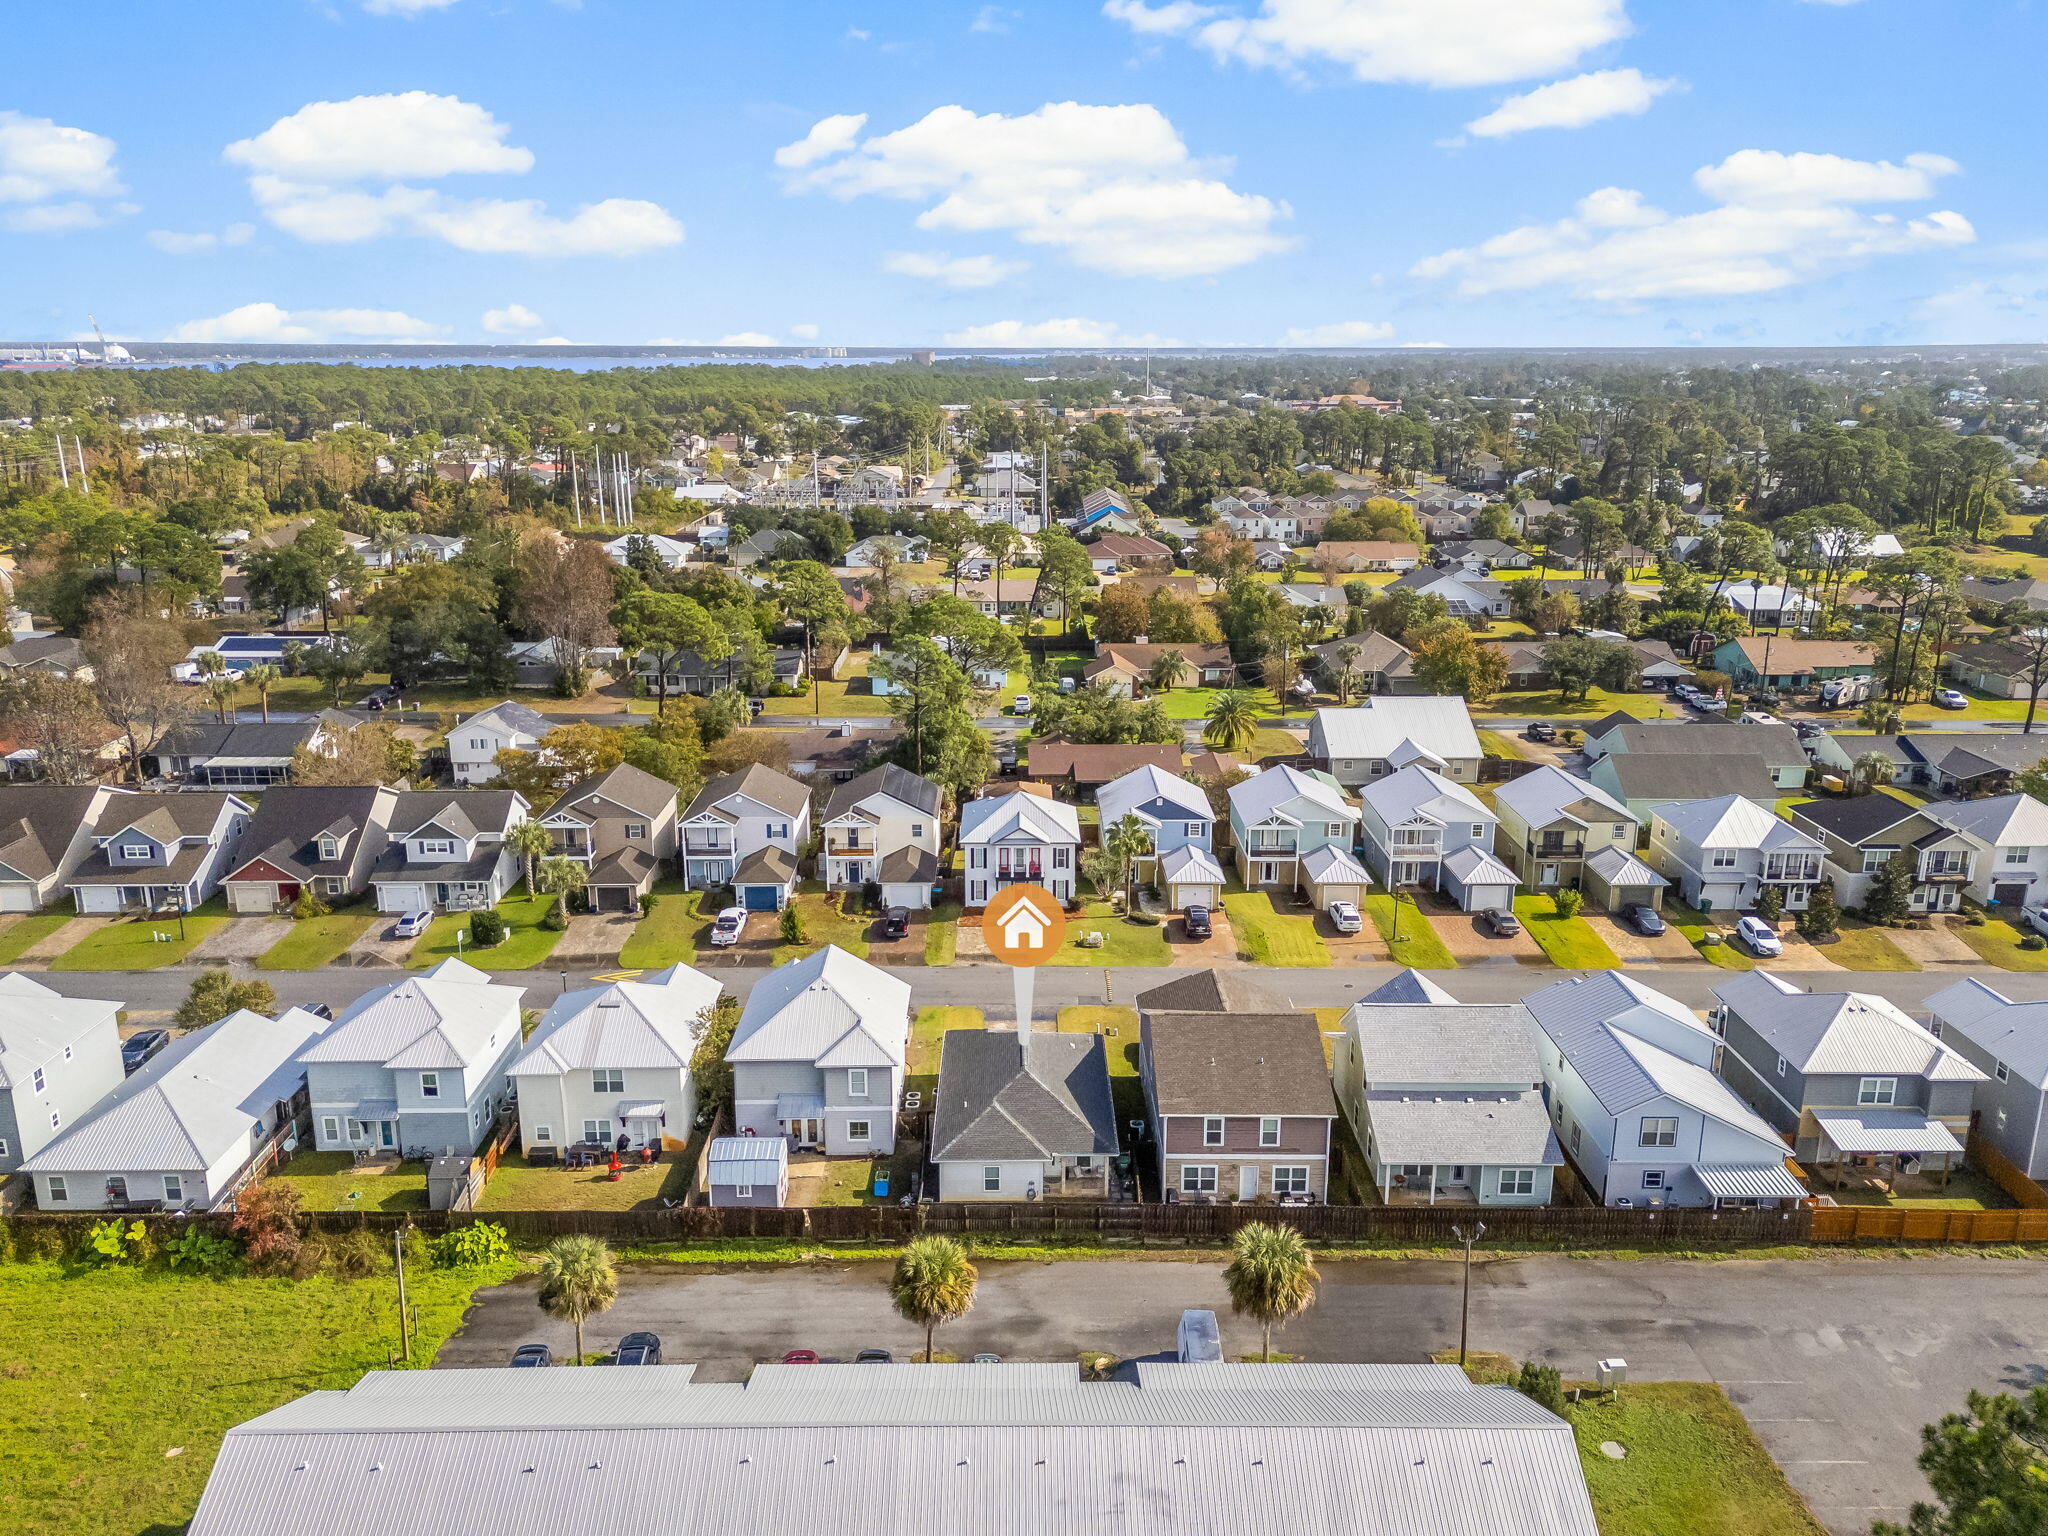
1813 1462
617 976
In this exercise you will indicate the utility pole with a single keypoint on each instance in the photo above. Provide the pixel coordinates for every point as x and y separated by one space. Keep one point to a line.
575 488
1465 1304
404 1324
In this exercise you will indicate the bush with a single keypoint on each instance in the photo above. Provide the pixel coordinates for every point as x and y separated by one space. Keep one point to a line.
486 928
556 919
354 1255
793 930
308 905
1568 901
470 1247
215 994
267 1221
2033 941
1542 1384
647 905
1143 919
203 1253
114 1243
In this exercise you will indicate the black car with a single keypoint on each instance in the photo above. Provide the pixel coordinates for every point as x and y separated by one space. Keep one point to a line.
755 706
874 1357
139 1047
533 1354
896 923
319 1010
1196 920
1501 922
1540 731
1643 919
638 1349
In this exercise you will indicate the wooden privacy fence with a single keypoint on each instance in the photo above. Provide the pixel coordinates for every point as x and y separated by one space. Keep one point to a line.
1881 1224
2005 1174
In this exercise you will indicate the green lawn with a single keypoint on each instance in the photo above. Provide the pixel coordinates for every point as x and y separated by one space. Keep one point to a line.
1967 1191
120 1384
1119 1028
942 933
1861 947
927 1030
1549 704
1269 937
824 924
1998 943
526 943
1568 941
847 696
330 1181
1123 942
1197 703
1272 742
519 1186
1982 707
31 930
1499 744
125 944
672 932
316 941
1696 926
1419 946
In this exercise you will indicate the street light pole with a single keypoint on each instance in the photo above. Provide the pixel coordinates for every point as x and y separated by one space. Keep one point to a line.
1465 1304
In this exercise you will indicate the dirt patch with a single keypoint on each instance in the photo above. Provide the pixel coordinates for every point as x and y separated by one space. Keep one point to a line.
53 944
1364 947
756 946
239 938
1799 954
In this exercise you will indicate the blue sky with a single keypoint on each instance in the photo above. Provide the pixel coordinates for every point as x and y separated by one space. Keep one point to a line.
867 172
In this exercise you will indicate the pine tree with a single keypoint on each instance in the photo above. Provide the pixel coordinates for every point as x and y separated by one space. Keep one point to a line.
1891 888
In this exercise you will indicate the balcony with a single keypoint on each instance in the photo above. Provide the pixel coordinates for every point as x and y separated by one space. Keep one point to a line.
849 846
707 846
1945 874
1791 874
1017 874
1425 850
1271 846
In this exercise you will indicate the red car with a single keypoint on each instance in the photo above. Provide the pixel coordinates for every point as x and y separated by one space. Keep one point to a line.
801 1357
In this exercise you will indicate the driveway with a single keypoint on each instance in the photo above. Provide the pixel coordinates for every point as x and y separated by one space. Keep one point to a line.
1668 948
593 938
1220 948
1468 938
1837 1364
1934 945
240 938
58 940
1364 947
759 936
377 947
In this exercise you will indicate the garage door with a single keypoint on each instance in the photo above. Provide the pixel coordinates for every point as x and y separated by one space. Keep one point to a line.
2008 895
17 897
761 898
402 898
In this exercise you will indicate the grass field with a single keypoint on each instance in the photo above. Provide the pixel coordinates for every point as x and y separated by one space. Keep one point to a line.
942 933
330 1181
526 942
1568 941
32 929
1197 703
1998 943
1861 947
1123 943
1499 744
1266 936
316 941
519 1186
671 933
1981 707
1419 946
824 924
124 944
1967 1191
1551 705
120 1384
1695 926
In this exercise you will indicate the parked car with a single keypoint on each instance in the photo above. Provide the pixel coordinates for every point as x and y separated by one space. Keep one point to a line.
1500 922
411 925
1760 717
1345 917
986 1359
801 1357
896 923
1951 698
1808 729
1069 683
1196 921
1643 918
727 927
1684 690
533 1354
1697 700
638 1349
142 1045
319 1010
1021 705
756 706
874 1357
1540 730
1761 938
2036 918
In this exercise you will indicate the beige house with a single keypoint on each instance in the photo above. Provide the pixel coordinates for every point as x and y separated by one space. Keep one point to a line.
1552 824
622 825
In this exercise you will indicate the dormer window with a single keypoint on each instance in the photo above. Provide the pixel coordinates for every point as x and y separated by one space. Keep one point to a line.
329 848
135 850
436 845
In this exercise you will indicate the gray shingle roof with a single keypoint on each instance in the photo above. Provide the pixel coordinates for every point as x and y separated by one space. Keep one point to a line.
1500 1129
1446 1044
758 782
626 788
899 783
292 816
1006 1097
38 821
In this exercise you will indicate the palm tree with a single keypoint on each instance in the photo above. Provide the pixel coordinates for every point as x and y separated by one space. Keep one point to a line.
1167 672
262 678
1345 678
933 1284
576 1280
1271 1277
531 841
563 878
1233 722
1127 841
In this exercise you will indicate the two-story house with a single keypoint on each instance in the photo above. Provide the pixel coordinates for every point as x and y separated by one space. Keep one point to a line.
1420 828
1722 853
59 1056
46 830
818 1055
1239 1105
1862 834
1551 823
474 743
415 1067
2013 873
1446 1100
1023 1115
745 830
1387 733
323 837
1018 834
884 827
447 849
1847 1077
1295 831
620 823
1784 757
182 1132
2008 1043
614 1060
1649 781
1178 820
1632 1090
164 851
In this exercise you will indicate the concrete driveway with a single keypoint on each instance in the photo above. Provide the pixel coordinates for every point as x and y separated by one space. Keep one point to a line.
1837 1364
377 947
1467 937
1668 948
1364 947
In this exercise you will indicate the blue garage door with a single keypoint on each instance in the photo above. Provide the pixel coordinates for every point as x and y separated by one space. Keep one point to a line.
760 898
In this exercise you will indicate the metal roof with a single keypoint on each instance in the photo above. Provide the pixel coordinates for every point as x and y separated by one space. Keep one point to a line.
747 1160
1271 788
1768 1181
1438 724
38 1025
1235 1376
1189 865
1141 786
649 1023
2014 1033
1417 790
1844 1034
1886 1130
1472 865
446 1017
1546 794
1503 1129
828 1008
1618 867
991 818
1331 865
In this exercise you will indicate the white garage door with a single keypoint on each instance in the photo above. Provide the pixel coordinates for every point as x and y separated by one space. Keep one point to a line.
402 898
17 896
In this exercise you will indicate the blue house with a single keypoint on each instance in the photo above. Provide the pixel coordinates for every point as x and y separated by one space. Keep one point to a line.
1177 817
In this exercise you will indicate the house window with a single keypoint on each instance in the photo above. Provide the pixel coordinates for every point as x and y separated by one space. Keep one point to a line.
1334 829
330 1128
58 1193
3 1146
135 850
597 1130
2016 855
636 831
1212 1131
436 846
174 1187
479 744
857 1130
1721 858
991 1181
1269 1132
543 1134
978 857
1198 1179
1781 1066
1479 829
778 830
430 1085
55 1119
917 829
1874 859
1518 1181
2000 1071
1290 1181
1059 857
39 1080
1878 1090
329 848
1653 1178
743 1191
1576 1128
608 1080
857 1082
1658 1131
1191 829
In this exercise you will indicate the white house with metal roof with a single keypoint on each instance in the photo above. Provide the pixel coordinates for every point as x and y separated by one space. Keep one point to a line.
2015 829
415 1066
1633 1094
1177 817
818 1055
179 1134
1722 853
1387 732
2008 1043
59 1056
1014 836
614 1060
1280 817
1420 828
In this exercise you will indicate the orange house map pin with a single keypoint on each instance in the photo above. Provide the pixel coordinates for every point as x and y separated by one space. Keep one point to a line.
1023 925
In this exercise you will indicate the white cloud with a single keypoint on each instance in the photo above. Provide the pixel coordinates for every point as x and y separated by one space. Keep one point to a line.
404 7
556 341
269 322
1072 332
1780 220
804 332
1113 187
747 339
993 18
41 161
952 271
337 172
1572 103
60 218
1342 333
1418 42
512 320
203 242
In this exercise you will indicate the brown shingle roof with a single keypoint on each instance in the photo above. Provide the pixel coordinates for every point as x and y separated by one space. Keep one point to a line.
1238 1064
1789 654
1089 763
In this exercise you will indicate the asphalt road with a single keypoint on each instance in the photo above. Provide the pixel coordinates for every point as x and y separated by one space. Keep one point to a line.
1836 1364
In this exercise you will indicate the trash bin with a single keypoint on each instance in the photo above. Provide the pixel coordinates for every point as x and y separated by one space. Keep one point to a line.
881 1186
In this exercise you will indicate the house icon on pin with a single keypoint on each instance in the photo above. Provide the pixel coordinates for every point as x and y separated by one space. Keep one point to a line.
1024 926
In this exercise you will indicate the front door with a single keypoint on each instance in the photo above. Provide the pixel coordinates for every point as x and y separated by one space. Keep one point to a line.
1547 875
1248 1182
441 893
387 1134
1267 872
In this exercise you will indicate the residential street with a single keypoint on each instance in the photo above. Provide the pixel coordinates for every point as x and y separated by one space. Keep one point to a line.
1836 1364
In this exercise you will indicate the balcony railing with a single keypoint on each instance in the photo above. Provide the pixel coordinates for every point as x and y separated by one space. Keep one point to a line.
1795 874
849 845
703 845
1014 874
1945 873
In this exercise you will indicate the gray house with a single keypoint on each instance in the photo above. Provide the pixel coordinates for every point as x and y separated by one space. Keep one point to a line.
2008 1043
1019 1116
45 833
59 1056
159 852
1848 1077
747 1170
